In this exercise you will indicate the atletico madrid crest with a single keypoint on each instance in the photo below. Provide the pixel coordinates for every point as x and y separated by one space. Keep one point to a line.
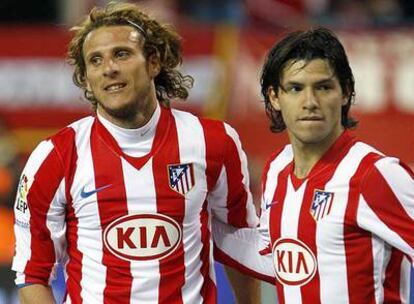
181 177
321 204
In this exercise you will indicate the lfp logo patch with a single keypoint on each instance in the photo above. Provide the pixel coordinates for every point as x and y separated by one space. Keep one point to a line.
22 192
181 177
321 204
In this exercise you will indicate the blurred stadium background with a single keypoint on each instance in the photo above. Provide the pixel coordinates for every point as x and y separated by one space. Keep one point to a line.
225 42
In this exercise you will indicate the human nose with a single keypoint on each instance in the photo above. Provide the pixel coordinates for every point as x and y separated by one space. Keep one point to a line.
111 68
311 100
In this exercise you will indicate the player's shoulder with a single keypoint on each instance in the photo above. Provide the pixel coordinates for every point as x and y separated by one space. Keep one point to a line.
64 139
378 163
282 154
70 130
211 127
361 152
193 118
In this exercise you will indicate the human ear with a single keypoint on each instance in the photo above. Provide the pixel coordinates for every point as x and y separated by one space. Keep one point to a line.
88 86
273 98
154 65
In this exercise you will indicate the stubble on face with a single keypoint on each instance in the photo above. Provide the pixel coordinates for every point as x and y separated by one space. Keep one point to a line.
128 111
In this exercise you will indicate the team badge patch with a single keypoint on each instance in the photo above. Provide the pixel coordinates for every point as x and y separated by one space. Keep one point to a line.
321 204
181 177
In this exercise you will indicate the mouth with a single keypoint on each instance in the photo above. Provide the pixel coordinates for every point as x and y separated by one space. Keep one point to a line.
311 118
114 87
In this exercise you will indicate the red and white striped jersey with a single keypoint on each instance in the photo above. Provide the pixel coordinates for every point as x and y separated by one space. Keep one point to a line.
336 236
131 229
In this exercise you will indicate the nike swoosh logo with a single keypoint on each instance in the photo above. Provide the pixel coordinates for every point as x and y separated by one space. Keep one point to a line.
85 194
270 205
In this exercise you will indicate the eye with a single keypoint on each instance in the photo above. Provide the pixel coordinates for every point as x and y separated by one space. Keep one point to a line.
122 54
324 87
293 88
95 60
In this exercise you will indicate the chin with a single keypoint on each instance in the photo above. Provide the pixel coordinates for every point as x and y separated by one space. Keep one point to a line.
123 111
311 136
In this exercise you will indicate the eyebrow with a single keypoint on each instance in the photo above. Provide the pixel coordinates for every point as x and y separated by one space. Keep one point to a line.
322 81
114 49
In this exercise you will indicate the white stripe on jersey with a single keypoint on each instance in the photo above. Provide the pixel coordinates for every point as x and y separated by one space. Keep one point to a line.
275 168
93 272
188 126
328 231
219 194
284 158
368 220
145 274
55 222
89 238
289 228
398 178
405 280
23 239
381 254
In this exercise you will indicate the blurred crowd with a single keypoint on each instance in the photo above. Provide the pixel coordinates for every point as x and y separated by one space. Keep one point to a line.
266 14
9 172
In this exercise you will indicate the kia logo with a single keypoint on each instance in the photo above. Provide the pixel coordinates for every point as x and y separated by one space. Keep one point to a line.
142 236
294 263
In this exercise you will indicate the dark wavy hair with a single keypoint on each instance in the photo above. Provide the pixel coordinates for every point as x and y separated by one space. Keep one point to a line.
159 39
319 43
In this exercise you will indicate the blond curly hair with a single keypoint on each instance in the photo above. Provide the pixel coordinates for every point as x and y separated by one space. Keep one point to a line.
159 39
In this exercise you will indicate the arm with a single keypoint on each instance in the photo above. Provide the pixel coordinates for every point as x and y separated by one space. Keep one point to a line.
36 294
230 199
39 218
386 204
245 249
246 289
232 206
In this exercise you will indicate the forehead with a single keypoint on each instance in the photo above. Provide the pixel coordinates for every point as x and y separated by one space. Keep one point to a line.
109 36
307 70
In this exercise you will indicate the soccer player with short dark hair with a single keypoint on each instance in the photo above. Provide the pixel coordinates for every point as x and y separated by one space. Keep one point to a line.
337 215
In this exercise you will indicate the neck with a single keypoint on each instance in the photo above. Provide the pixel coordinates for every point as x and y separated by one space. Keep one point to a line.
306 155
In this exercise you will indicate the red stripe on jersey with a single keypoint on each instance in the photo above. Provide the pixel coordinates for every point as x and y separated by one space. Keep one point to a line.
172 268
112 204
41 193
275 218
392 278
213 133
360 285
67 150
264 177
382 200
307 233
319 175
208 291
408 169
237 194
